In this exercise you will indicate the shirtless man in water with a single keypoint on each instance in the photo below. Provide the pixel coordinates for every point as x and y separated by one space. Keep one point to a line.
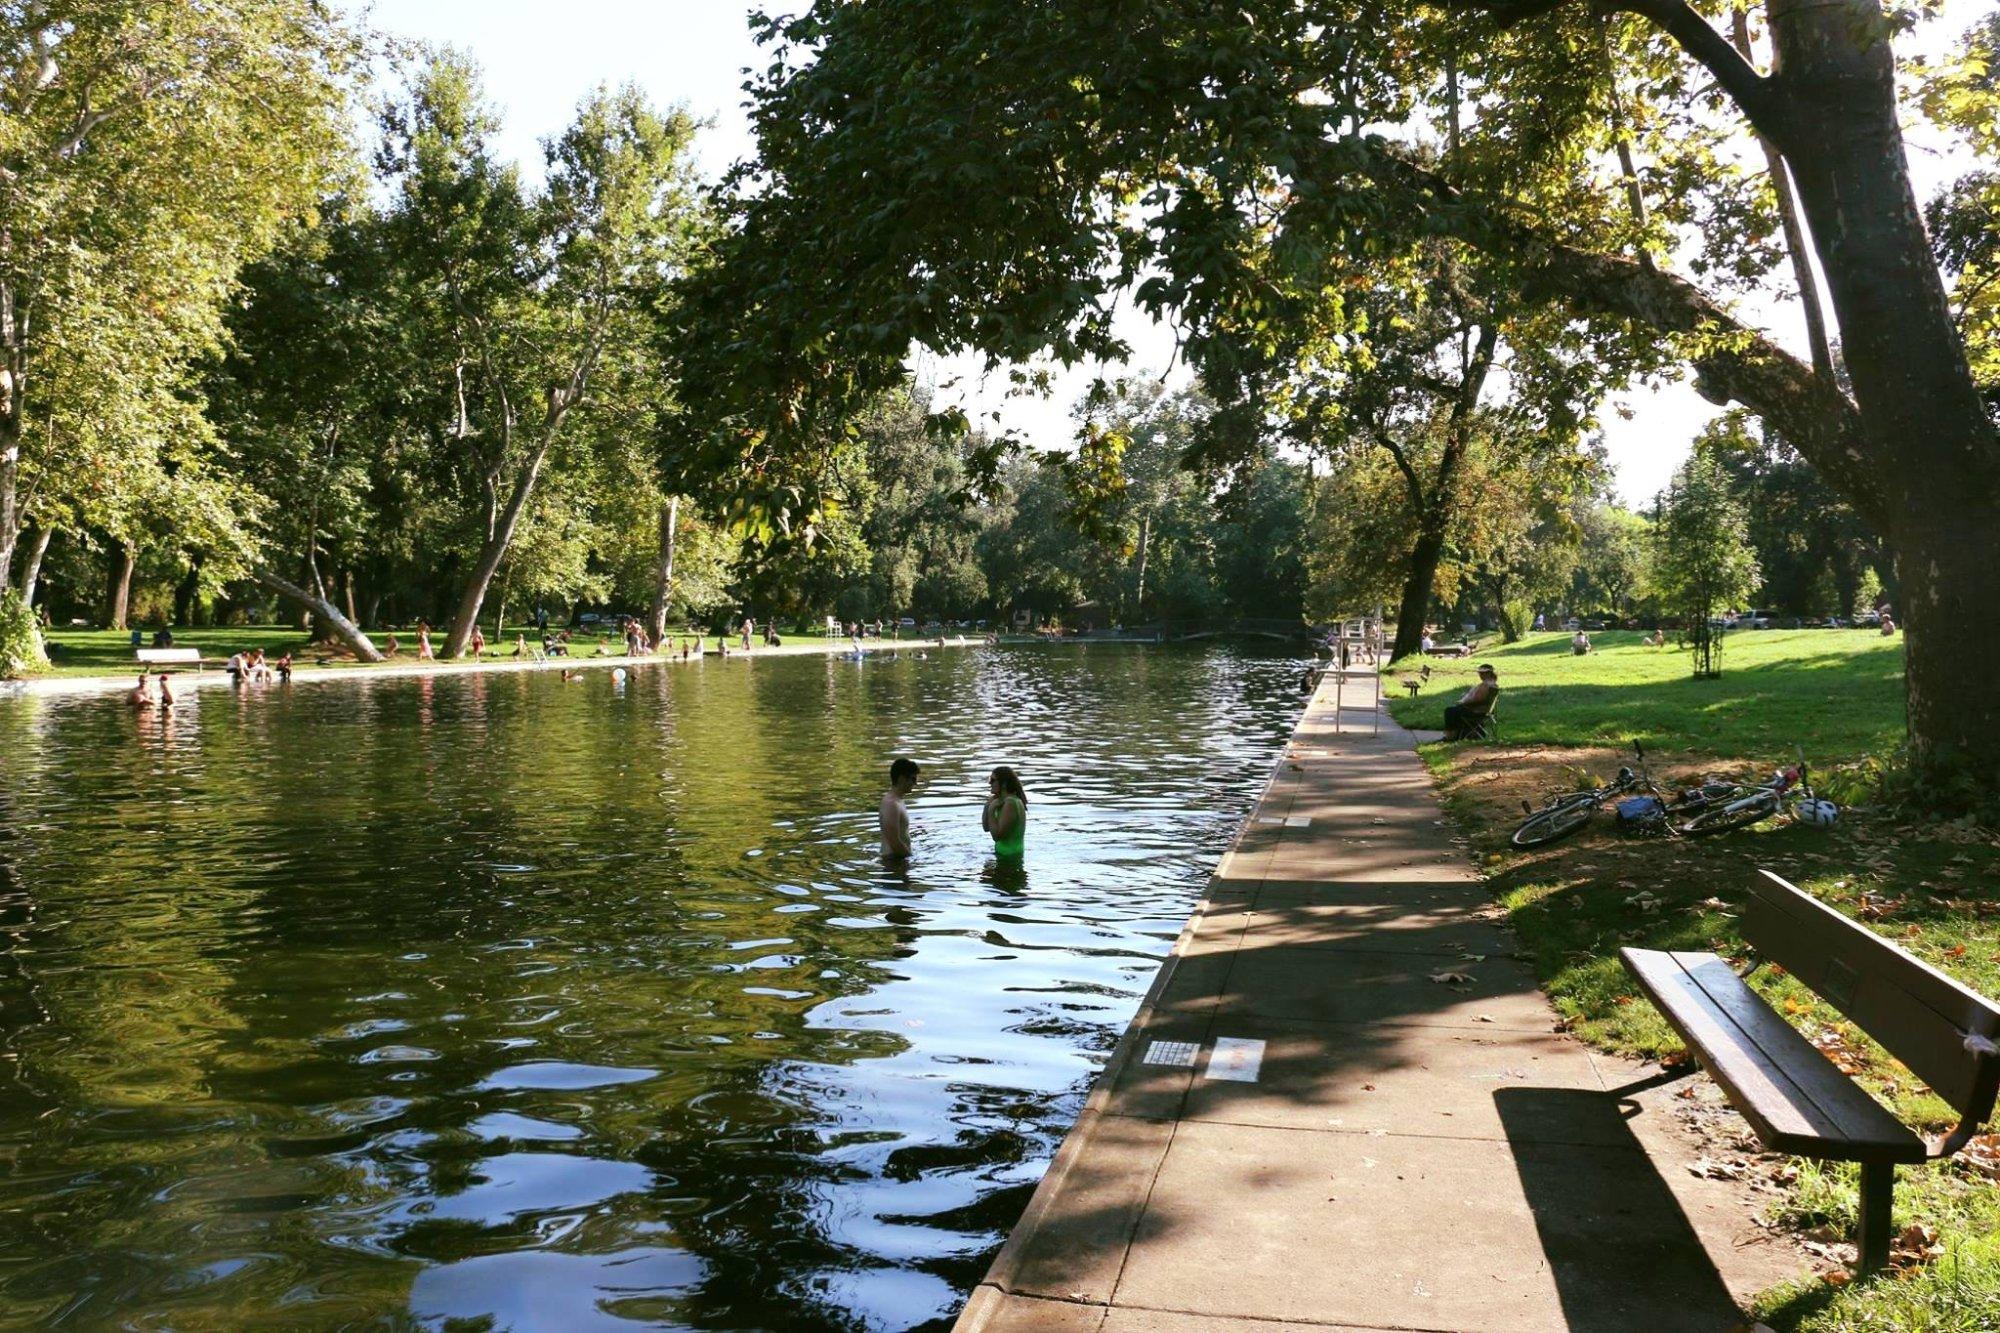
142 694
895 815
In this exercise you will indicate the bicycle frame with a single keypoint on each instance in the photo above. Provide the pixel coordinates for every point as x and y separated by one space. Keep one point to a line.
1786 782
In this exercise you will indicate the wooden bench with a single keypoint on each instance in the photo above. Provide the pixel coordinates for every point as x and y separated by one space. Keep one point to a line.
1791 1094
162 656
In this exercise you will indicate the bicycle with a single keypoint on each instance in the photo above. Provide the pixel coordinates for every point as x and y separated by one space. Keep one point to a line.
1564 814
1727 807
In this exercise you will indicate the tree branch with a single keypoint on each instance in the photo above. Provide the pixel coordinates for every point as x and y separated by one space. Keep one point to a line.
1757 96
1396 452
1732 361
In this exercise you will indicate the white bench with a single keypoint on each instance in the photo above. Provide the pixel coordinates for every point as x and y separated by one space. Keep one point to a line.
155 656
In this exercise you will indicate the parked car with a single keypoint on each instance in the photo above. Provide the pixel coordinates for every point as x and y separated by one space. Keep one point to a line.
907 622
1757 620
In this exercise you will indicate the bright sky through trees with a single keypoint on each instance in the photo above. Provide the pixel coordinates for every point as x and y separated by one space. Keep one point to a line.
540 59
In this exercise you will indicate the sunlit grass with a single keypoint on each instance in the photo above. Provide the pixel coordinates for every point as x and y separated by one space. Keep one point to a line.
1839 693
90 652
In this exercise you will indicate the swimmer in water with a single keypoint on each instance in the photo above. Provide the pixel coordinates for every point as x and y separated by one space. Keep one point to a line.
142 693
895 814
1006 813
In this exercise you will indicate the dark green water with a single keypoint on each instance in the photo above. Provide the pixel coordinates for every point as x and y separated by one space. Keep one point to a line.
550 1006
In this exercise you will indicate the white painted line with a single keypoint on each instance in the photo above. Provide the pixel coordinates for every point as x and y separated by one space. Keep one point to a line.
1298 821
1175 1054
1269 819
1236 1059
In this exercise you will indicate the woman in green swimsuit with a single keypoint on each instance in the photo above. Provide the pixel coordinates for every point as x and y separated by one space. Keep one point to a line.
1006 815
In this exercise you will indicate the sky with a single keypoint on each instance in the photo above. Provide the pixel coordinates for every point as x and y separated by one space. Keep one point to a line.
541 59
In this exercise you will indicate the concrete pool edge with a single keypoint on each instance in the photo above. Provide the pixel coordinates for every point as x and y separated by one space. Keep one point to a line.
55 686
998 1285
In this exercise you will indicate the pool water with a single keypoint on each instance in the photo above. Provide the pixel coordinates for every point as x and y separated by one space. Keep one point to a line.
536 1005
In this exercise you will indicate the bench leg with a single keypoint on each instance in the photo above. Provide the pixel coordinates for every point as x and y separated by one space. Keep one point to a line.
1878 1189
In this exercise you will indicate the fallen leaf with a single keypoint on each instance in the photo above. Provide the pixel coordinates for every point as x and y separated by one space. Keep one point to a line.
1452 978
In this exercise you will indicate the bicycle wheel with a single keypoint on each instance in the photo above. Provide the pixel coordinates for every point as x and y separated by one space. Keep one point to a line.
1723 818
1555 822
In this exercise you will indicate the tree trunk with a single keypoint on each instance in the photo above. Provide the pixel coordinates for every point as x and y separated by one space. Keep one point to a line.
494 550
663 582
326 612
10 472
1928 438
1439 502
1145 540
31 573
185 591
122 564
1414 609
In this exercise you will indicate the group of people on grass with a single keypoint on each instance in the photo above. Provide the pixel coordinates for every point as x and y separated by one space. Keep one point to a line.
1004 816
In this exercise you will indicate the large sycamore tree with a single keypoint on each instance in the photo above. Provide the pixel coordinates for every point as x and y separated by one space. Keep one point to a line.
517 297
148 150
983 174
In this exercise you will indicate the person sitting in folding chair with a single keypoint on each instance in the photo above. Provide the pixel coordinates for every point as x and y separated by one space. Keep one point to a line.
1467 717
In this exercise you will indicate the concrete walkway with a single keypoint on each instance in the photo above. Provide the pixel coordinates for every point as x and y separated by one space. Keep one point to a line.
1345 1103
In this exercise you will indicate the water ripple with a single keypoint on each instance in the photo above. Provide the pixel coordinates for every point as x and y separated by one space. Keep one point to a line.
491 998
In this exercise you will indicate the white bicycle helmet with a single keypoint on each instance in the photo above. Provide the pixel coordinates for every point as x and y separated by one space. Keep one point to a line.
1820 813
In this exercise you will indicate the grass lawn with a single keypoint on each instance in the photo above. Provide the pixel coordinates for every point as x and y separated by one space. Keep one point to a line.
1933 887
1838 692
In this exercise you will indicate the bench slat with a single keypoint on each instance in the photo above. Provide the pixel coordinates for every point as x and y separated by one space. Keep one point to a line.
1791 1093
1917 1012
168 654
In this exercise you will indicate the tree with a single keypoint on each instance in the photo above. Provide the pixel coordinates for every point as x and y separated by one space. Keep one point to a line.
1703 563
307 399
1530 534
1111 159
1610 577
148 151
1813 551
520 298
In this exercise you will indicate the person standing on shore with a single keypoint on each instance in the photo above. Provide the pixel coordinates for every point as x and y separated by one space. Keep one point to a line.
424 653
895 815
1006 813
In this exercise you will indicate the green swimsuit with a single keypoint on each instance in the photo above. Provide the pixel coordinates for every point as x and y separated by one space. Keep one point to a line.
1013 843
